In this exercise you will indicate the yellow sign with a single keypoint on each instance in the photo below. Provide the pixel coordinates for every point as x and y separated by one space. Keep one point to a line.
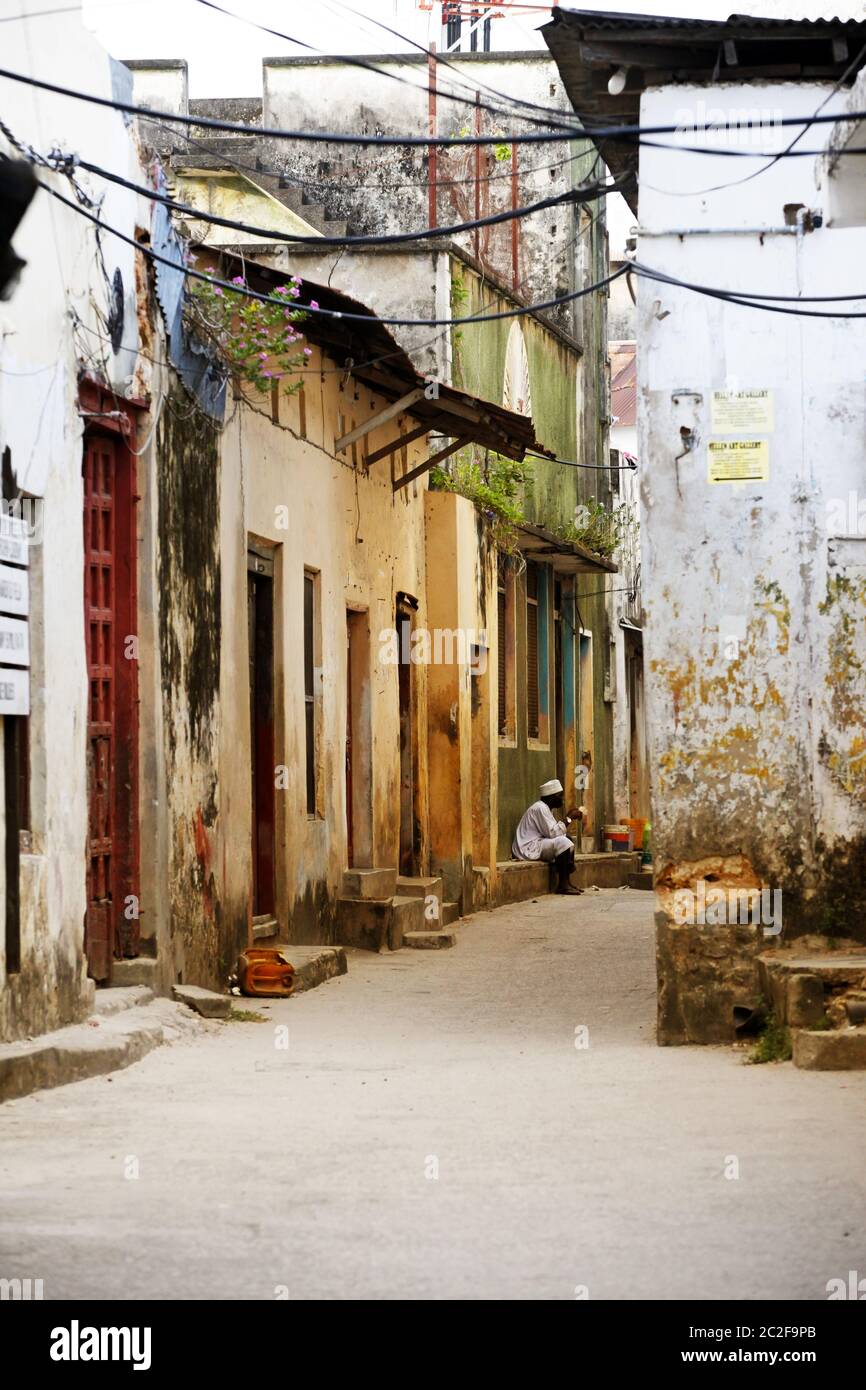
736 412
738 461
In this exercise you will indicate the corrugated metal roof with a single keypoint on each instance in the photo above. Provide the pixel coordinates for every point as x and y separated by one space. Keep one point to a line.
615 19
590 45
623 384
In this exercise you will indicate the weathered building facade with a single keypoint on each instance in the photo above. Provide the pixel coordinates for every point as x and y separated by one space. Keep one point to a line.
555 714
250 729
748 415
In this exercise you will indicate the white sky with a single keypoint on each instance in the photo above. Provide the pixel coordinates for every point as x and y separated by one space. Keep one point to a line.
224 54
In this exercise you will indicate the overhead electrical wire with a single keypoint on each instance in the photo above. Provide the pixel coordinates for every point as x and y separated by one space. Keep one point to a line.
559 118
349 185
247 293
408 141
731 296
575 196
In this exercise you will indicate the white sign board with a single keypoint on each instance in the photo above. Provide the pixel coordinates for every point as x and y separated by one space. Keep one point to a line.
14 591
742 412
14 642
13 548
14 692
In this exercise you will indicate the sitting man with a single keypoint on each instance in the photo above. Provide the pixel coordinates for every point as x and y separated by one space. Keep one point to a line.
540 836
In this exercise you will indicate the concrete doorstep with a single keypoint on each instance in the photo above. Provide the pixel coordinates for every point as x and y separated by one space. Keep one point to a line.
120 1031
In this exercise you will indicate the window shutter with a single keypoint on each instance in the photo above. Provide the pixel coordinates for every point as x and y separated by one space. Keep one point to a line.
531 651
502 656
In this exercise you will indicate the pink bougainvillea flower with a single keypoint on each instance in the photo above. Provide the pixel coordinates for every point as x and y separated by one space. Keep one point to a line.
308 352
217 290
238 280
314 304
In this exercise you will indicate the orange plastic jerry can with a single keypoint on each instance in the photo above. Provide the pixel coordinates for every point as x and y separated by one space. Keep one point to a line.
265 970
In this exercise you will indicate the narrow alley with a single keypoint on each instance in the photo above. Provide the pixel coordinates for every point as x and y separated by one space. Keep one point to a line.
436 1129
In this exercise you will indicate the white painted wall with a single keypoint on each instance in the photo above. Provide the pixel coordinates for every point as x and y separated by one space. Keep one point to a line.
53 323
761 755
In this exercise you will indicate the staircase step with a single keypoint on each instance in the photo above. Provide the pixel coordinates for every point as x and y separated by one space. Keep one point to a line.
370 883
430 940
831 1050
641 880
450 913
429 890
203 1001
140 970
378 924
265 927
115 999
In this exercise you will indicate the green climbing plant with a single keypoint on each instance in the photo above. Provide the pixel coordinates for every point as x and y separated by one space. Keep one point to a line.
256 339
494 484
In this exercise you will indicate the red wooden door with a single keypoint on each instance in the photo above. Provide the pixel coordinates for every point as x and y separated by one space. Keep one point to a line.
112 924
99 607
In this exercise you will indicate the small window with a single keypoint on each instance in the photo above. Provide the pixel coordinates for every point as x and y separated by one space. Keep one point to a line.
310 618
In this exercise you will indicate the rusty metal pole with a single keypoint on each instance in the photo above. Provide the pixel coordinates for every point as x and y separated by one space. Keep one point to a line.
515 224
477 176
431 117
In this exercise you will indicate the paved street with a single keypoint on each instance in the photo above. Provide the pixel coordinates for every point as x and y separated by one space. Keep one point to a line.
314 1167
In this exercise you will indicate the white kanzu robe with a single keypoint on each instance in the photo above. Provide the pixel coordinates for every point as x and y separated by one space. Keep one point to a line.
539 835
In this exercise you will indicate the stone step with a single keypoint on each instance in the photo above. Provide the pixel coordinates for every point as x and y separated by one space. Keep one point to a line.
203 1001
430 940
265 927
102 1044
314 964
642 880
370 883
139 970
835 1049
800 985
115 998
429 890
378 924
450 913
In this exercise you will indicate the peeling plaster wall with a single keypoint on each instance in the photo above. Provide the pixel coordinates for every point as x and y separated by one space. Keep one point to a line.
758 753
385 190
40 358
283 485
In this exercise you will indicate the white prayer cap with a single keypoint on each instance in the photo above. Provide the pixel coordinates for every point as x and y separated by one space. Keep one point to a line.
550 788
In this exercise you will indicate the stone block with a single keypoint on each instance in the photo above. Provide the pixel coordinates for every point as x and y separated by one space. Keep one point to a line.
520 879
204 1001
363 923
430 940
370 883
703 971
832 1050
407 916
804 1003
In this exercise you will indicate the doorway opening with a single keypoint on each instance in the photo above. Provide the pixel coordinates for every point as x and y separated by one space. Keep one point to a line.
558 685
112 924
359 770
408 853
586 732
260 624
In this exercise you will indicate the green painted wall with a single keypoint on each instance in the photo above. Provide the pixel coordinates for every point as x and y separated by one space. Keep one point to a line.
569 395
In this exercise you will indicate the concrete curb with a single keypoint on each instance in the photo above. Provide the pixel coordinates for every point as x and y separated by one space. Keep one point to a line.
108 1041
316 964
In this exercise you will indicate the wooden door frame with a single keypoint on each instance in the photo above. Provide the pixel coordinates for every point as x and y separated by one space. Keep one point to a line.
109 416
